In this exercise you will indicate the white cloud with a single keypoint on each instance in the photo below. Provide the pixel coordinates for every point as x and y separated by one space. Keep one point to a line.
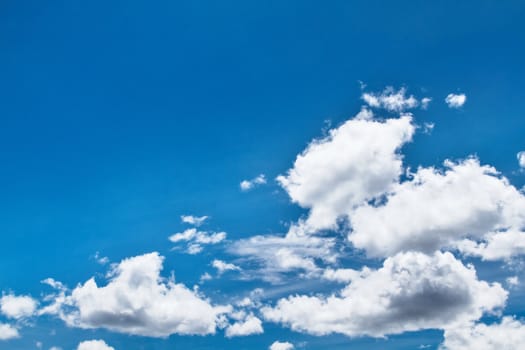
435 209
222 266
8 332
186 235
354 163
94 345
455 100
425 101
509 334
412 291
513 281
205 277
391 100
250 325
495 245
247 185
193 220
281 346
276 255
344 275
521 159
197 238
17 306
102 260
137 300
59 348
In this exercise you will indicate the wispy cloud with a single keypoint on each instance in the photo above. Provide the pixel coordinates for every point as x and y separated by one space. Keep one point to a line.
194 220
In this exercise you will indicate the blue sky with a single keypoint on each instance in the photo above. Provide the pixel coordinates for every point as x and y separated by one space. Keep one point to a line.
118 118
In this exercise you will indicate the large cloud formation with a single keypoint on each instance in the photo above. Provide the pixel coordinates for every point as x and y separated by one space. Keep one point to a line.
354 163
412 291
414 222
137 300
436 209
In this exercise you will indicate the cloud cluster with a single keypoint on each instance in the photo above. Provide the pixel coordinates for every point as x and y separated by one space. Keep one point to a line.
412 291
354 181
414 226
137 300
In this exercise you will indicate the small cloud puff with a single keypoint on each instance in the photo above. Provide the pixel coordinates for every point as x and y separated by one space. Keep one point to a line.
456 100
94 345
17 307
194 220
281 346
521 159
8 332
391 100
247 185
222 266
425 102
250 325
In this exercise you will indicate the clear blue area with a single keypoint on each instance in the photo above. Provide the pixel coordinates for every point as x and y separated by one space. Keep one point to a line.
117 117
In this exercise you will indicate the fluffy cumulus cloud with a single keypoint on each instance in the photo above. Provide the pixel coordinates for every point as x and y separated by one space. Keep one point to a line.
277 345
7 332
16 307
391 100
455 100
508 334
354 163
248 326
137 300
412 291
94 345
436 209
495 245
247 185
